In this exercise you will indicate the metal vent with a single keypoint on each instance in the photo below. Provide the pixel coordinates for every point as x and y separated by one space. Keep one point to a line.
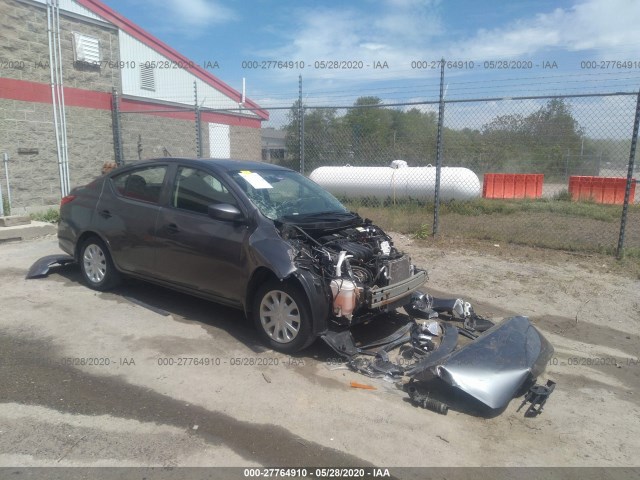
147 78
86 49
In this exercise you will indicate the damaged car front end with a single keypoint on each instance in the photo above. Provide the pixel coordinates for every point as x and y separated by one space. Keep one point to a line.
302 266
363 277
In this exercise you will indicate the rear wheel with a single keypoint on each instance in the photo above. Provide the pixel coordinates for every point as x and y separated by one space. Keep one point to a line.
282 317
96 266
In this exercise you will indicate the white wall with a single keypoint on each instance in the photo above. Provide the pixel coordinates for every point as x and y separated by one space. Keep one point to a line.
172 84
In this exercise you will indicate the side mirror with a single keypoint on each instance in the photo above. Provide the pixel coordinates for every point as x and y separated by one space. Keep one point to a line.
225 212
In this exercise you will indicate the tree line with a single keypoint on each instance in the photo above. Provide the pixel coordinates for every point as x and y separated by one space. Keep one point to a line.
548 141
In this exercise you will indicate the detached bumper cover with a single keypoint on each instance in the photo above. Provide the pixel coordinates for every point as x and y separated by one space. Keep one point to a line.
391 293
41 267
494 366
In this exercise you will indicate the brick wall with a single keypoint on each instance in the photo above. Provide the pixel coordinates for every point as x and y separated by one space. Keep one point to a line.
178 137
246 143
156 134
34 177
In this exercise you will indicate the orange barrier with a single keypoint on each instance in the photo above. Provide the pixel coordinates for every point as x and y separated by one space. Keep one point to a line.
512 185
600 189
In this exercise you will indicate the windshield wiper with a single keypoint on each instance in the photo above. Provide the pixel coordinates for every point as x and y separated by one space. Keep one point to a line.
329 214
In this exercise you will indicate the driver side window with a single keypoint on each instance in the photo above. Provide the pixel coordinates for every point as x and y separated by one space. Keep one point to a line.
194 190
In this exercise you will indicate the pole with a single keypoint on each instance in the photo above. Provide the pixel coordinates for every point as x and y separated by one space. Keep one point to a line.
627 191
6 176
198 121
301 124
115 123
54 96
436 196
62 108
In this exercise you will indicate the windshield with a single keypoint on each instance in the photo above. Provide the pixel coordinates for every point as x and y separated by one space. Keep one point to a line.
286 195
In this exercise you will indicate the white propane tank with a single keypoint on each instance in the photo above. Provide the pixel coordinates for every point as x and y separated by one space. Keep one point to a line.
398 182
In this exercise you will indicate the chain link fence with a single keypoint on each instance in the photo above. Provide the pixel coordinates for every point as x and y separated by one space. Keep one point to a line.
381 161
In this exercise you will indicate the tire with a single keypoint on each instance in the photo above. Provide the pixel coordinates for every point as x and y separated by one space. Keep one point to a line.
282 316
96 265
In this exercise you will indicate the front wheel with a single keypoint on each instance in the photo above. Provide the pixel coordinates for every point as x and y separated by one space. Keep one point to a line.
97 268
281 315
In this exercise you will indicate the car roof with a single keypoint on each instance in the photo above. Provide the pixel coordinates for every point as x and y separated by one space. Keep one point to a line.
227 164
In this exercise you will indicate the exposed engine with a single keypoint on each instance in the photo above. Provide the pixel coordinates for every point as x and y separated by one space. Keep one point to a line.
352 260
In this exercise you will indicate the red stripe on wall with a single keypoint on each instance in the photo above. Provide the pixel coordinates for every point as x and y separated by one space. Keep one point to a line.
26 91
130 105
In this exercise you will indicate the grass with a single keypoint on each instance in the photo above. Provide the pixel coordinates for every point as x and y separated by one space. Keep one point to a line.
51 215
548 223
5 205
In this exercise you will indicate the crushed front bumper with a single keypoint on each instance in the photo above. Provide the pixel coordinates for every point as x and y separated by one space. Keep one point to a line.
494 366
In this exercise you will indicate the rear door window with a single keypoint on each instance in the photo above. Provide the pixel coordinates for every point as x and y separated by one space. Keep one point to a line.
143 184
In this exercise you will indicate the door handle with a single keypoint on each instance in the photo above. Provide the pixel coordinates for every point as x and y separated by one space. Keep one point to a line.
105 213
172 228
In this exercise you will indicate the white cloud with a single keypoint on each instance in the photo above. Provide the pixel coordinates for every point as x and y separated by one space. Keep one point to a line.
198 13
400 31
602 26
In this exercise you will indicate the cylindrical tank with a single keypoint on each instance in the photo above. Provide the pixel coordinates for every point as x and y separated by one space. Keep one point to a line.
456 183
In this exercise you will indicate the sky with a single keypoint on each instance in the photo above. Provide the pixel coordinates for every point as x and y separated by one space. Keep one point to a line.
390 48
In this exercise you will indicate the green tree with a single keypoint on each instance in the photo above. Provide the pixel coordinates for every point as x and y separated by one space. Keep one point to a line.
545 141
371 131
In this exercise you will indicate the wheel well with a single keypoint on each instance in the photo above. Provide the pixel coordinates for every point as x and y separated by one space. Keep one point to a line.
259 276
82 238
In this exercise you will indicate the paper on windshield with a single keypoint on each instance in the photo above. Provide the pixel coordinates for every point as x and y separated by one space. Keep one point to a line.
255 180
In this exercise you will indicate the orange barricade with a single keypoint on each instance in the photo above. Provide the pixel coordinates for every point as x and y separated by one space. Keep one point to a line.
512 185
600 189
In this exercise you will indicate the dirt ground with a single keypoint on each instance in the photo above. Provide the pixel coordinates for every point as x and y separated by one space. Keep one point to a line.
253 406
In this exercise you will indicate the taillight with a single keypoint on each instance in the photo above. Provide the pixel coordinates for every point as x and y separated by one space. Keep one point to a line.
67 199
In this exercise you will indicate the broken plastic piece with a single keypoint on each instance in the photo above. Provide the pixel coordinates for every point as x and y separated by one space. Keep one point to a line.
432 328
41 266
420 306
341 342
537 395
425 401
363 386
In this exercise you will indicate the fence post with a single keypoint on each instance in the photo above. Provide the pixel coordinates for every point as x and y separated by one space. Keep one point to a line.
115 122
436 196
300 125
627 191
198 121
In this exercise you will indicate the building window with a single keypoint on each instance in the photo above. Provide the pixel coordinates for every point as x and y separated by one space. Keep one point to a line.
86 49
147 78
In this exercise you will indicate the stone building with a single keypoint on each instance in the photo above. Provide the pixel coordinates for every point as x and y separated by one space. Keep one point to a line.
59 69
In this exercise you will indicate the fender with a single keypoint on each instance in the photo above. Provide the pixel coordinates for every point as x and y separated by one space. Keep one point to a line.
275 254
318 297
